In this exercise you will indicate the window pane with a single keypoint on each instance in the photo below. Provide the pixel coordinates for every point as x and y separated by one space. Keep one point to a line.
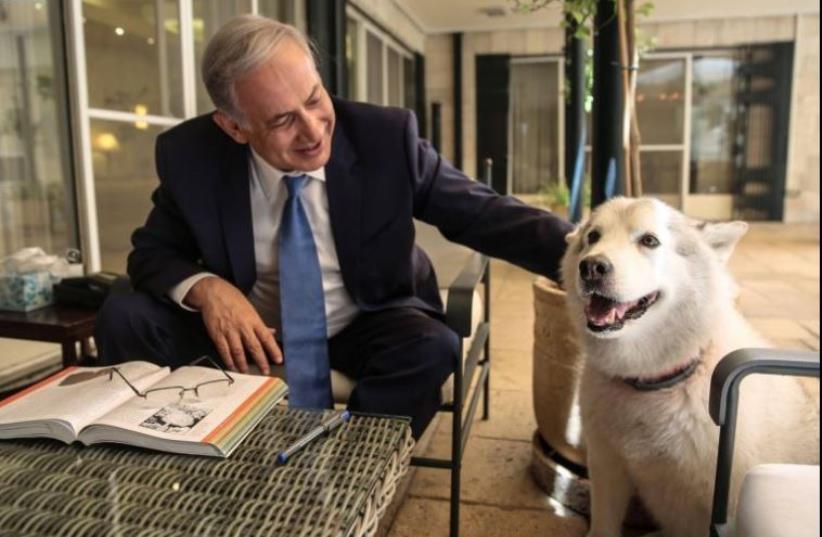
661 101
534 126
352 50
209 16
661 175
374 72
281 10
124 178
36 194
133 56
394 82
713 123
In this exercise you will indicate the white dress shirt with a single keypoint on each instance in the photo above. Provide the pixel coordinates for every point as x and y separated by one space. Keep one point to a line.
268 196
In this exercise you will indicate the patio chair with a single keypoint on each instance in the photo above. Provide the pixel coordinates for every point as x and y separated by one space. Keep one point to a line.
775 500
468 315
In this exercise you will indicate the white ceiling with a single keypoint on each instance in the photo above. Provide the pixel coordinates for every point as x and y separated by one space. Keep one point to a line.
436 16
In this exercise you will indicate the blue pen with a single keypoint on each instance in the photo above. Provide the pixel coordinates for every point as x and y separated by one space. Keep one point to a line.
326 427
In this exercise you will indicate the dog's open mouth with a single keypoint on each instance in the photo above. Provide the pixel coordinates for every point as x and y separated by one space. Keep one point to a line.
606 314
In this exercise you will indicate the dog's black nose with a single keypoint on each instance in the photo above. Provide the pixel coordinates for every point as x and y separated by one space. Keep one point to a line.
594 268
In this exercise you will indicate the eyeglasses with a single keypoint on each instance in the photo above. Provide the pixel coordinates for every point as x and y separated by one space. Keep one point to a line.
208 389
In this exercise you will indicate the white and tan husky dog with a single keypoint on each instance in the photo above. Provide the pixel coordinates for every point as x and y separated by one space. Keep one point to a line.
654 306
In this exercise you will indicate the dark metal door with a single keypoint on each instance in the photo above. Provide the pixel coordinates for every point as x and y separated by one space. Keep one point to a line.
493 74
761 146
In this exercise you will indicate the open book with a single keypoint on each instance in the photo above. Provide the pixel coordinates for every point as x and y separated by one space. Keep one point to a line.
93 405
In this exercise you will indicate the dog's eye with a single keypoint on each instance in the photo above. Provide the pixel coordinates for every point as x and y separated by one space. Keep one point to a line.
649 241
593 237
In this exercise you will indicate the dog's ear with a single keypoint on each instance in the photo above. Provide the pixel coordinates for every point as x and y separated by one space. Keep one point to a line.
723 237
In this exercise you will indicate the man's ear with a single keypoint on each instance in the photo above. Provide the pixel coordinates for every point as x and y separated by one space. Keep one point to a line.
723 237
230 127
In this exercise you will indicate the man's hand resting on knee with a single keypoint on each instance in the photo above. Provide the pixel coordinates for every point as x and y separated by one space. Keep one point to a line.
234 325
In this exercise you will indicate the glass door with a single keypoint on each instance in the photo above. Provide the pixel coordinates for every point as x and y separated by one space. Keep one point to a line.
662 102
713 129
535 125
37 206
137 70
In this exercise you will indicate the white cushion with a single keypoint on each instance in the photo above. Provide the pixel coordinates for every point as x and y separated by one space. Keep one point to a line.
342 386
779 500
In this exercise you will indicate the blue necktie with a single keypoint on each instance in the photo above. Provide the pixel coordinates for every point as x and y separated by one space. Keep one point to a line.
302 306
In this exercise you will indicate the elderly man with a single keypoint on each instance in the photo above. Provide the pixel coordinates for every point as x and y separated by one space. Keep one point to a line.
284 222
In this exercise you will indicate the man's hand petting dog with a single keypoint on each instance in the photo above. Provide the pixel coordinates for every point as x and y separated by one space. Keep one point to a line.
234 325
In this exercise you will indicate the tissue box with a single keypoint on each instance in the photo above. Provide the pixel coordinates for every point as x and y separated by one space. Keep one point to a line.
27 291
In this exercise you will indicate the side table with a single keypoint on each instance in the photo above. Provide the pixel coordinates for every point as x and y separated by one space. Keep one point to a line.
338 486
66 325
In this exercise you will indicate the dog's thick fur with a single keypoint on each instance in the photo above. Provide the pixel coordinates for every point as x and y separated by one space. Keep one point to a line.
662 444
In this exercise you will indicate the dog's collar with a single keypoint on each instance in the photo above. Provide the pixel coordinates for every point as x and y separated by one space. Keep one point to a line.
680 374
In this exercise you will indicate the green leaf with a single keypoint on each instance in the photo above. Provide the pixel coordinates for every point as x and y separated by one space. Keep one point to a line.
645 9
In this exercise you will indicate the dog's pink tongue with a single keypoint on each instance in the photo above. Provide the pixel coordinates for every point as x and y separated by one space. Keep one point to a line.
622 307
602 312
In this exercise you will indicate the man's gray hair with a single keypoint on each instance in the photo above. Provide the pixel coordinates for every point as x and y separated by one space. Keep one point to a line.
241 45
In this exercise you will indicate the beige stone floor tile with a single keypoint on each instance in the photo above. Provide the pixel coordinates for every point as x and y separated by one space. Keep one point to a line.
770 287
494 471
787 263
808 286
812 327
511 417
796 344
775 300
513 333
512 291
776 328
503 309
511 369
420 517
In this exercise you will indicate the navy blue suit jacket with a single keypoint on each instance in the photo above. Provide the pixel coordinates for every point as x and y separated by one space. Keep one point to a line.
380 177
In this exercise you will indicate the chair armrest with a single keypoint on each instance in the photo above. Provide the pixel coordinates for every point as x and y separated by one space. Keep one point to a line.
740 363
722 405
458 310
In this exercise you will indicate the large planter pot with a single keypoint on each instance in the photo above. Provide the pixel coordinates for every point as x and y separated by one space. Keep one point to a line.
557 374
557 370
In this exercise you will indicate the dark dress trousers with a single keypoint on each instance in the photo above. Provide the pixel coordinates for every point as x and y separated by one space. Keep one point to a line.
380 177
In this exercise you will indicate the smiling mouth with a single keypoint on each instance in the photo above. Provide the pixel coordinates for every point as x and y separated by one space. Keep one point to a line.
606 314
312 149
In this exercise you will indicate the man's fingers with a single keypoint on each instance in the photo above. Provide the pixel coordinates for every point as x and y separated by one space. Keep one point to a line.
256 350
273 351
225 353
235 343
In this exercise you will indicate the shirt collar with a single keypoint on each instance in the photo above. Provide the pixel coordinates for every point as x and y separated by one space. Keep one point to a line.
270 178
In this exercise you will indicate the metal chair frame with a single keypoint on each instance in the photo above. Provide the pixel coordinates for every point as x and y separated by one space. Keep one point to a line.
723 406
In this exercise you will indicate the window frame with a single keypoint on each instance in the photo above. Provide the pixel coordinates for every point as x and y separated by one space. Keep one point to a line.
82 113
365 26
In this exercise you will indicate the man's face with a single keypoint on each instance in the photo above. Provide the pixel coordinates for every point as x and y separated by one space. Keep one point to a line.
289 118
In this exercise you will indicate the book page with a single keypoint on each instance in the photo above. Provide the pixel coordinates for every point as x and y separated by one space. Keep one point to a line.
78 395
190 418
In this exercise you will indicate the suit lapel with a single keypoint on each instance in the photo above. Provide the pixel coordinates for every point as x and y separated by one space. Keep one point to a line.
235 215
344 200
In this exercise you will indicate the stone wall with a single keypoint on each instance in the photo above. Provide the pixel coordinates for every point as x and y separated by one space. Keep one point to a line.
802 196
439 87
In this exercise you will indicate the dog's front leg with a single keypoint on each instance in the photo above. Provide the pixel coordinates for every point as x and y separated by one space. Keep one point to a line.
611 490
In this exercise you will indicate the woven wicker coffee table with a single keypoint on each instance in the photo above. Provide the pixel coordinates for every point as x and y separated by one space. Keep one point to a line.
337 487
